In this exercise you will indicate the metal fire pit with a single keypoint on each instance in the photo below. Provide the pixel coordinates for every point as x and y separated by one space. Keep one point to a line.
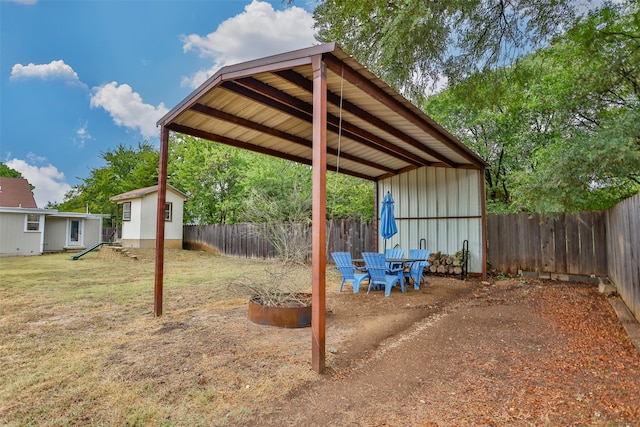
284 317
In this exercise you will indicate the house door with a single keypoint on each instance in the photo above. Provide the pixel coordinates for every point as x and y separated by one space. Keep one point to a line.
75 233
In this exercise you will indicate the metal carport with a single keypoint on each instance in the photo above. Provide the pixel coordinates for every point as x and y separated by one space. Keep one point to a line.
318 106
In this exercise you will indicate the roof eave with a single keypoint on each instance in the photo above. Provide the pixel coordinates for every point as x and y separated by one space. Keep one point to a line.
244 69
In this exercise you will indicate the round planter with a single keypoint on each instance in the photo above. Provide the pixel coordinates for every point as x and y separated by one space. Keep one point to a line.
290 316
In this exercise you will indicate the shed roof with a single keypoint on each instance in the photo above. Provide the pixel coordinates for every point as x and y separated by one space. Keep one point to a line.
141 192
266 105
16 193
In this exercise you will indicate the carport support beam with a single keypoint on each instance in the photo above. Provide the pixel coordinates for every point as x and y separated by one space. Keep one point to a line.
162 198
318 217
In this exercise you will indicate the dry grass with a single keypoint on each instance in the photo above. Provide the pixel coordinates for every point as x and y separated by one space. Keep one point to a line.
79 344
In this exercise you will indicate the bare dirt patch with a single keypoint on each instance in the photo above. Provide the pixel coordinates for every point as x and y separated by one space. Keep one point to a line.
512 353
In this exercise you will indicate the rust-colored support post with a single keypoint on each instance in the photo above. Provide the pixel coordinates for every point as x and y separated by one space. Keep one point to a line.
162 198
483 208
376 222
319 216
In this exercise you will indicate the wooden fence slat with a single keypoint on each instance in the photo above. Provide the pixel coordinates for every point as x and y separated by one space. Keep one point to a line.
600 235
634 264
547 245
573 244
534 223
560 238
587 253
623 251
494 244
511 231
520 245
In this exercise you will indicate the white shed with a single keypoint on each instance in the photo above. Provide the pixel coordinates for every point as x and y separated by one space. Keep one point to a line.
138 211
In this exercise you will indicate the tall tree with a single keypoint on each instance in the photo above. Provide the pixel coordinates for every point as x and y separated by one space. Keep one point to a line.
8 172
227 185
126 168
410 43
349 197
505 117
277 190
596 163
211 174
559 127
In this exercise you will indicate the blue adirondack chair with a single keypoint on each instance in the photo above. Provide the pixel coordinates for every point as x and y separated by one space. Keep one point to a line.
380 273
348 270
396 253
416 269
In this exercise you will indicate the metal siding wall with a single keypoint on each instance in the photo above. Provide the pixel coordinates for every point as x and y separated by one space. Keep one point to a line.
414 197
178 217
173 228
147 217
11 229
432 209
55 234
453 243
14 240
433 197
92 231
132 229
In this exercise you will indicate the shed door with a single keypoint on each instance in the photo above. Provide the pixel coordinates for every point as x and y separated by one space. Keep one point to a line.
75 233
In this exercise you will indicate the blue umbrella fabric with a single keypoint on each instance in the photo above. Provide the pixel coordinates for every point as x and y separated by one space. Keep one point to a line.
388 226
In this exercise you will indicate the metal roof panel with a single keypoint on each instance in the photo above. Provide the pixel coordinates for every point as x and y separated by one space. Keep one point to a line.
267 105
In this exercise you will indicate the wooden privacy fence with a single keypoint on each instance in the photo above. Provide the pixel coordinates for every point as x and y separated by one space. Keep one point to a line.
556 243
241 239
588 243
245 239
623 251
350 235
564 244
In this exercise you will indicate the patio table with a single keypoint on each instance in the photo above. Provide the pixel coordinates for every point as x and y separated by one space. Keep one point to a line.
403 262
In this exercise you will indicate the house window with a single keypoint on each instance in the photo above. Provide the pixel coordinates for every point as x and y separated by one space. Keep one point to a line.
126 211
33 222
168 211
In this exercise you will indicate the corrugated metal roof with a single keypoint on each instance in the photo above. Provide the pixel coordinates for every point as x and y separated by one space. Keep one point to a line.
266 105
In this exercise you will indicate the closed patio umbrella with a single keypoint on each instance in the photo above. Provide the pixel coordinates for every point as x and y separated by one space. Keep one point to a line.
388 226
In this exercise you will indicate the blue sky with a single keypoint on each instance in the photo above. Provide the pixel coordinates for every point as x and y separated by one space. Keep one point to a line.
77 78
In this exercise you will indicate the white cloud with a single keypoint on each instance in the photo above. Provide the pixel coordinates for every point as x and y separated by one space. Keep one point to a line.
34 158
82 135
48 180
127 109
53 70
257 32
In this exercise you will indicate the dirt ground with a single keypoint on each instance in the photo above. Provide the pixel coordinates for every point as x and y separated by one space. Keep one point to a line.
500 353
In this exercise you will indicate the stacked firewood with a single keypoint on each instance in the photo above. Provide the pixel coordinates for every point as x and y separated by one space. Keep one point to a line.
445 264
